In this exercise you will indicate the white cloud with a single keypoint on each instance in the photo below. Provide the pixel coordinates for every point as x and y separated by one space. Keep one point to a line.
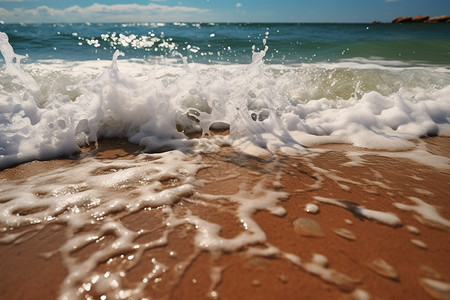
238 5
105 13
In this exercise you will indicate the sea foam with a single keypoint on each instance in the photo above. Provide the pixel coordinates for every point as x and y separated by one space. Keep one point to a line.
52 108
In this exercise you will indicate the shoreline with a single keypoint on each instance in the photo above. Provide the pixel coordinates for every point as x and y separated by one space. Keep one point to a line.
371 180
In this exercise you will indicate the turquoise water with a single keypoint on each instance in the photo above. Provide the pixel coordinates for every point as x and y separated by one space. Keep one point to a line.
232 43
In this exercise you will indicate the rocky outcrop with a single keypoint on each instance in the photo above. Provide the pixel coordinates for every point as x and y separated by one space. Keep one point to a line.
422 19
440 19
402 20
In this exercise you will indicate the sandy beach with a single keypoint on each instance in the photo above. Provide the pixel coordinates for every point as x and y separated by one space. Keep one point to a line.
375 227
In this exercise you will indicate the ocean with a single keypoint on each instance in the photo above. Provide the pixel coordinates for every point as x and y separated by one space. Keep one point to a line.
413 44
184 92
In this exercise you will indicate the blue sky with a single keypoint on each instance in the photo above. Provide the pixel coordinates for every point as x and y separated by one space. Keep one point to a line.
28 11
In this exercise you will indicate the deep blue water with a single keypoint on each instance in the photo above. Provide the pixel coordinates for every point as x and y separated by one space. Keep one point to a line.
233 43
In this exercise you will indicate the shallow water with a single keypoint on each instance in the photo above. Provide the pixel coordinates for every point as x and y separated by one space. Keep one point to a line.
136 225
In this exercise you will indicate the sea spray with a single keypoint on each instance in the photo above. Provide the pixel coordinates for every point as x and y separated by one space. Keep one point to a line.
12 65
267 107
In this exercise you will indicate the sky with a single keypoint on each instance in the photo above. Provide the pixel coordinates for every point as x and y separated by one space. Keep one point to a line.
102 11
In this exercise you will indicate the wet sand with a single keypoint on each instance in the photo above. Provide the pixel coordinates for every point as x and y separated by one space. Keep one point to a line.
31 266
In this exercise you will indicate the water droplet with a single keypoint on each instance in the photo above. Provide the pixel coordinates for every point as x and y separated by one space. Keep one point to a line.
258 262
308 227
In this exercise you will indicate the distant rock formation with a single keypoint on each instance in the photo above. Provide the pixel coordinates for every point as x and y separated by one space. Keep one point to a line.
422 19
402 20
440 19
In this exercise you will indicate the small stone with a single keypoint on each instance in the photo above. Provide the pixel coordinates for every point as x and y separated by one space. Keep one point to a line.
219 128
419 243
413 229
435 288
357 294
256 282
320 260
345 233
214 295
381 267
348 221
308 227
282 278
311 208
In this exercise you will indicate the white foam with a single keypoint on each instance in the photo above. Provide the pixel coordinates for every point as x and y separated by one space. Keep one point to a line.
422 156
62 105
332 276
258 198
382 217
387 218
89 192
93 188
332 174
427 212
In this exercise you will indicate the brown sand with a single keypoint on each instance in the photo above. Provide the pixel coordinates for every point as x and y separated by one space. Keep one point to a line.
27 273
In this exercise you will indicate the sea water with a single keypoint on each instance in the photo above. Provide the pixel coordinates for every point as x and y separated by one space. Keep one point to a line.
276 88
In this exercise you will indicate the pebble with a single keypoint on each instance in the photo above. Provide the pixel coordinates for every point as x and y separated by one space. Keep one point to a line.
435 288
282 278
381 267
419 243
256 282
357 294
413 229
320 260
345 233
312 208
